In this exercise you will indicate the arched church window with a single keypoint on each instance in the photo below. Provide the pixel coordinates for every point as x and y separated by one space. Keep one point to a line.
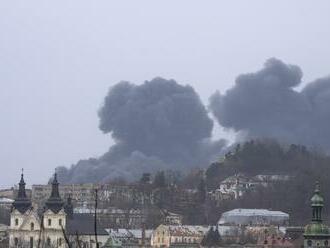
32 226
16 222
326 243
60 222
49 222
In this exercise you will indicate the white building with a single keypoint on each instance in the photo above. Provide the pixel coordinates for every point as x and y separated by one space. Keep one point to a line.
6 202
254 217
51 227
235 186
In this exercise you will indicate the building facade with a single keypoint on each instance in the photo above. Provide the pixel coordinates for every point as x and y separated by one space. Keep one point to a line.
55 225
177 235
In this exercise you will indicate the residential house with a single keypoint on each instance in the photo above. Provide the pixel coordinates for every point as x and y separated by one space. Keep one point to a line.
177 236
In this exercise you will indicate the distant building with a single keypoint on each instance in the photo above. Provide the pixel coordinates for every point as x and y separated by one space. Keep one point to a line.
116 218
233 187
172 218
254 217
7 193
273 241
237 185
6 202
129 237
80 193
177 236
84 194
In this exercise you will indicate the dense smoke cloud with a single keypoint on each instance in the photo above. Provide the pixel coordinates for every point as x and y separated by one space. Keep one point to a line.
265 104
157 125
162 125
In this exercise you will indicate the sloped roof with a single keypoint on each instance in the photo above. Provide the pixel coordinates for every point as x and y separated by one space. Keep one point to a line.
120 233
83 224
254 212
129 233
187 230
4 200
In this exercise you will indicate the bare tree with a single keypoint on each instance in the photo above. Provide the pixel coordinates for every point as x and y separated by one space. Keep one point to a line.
65 237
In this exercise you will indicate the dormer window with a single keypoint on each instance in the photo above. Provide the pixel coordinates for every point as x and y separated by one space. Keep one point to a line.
49 222
16 222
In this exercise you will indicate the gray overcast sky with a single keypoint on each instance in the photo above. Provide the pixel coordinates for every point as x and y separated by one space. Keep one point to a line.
58 59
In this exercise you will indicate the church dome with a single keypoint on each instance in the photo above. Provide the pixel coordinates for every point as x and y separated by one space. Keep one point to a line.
317 199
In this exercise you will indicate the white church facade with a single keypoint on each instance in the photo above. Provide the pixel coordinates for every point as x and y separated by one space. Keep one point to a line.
53 226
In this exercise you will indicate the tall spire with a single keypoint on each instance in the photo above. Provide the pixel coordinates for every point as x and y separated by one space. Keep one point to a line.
21 188
54 202
55 192
22 203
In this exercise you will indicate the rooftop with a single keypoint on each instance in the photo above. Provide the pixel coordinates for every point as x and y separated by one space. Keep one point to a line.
254 212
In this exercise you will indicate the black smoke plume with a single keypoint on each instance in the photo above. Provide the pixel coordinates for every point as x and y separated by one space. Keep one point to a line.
158 125
266 104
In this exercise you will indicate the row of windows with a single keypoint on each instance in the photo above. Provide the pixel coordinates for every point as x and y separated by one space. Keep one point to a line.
177 240
32 224
309 243
50 222
48 242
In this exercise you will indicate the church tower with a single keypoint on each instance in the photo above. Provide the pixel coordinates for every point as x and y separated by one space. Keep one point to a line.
316 233
54 218
22 203
24 221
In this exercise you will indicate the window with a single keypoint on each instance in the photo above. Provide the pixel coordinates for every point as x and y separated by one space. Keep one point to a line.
16 241
32 226
309 242
49 222
60 222
48 242
31 242
326 243
16 222
60 242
